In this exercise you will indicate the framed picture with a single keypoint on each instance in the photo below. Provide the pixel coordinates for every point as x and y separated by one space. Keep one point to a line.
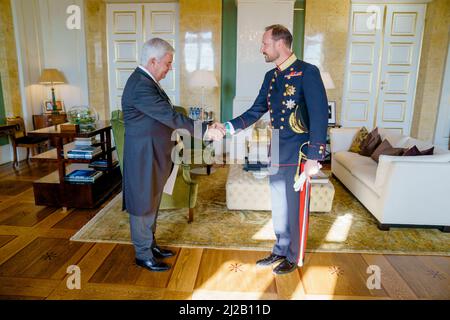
48 106
331 112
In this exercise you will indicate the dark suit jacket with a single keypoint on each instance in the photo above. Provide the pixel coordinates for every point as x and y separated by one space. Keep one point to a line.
149 122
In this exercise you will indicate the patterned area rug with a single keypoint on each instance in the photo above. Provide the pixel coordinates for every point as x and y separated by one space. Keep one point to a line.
349 227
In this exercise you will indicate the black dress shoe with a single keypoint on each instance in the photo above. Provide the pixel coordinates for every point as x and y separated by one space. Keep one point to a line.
153 265
161 253
285 267
269 260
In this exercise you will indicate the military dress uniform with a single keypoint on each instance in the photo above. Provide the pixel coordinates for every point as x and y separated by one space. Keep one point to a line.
295 96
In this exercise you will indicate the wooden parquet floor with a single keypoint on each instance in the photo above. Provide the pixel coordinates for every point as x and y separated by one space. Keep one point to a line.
35 253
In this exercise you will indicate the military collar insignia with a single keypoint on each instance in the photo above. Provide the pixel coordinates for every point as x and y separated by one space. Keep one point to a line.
287 63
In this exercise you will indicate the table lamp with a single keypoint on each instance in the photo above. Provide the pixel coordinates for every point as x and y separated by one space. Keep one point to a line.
203 79
52 77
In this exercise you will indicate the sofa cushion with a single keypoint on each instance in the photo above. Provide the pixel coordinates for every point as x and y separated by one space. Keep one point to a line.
358 139
411 152
414 151
367 175
427 152
386 148
349 160
420 144
397 141
370 143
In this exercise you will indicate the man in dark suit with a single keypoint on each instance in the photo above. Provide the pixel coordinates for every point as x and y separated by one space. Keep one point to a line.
150 120
294 95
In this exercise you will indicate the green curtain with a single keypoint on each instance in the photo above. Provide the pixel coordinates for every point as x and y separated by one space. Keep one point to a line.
299 28
229 46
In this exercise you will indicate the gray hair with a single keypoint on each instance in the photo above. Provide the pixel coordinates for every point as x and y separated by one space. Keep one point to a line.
155 48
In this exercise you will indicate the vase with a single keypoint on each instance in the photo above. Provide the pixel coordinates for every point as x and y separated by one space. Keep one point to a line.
86 117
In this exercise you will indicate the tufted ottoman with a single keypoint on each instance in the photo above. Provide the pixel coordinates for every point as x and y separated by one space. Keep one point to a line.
245 192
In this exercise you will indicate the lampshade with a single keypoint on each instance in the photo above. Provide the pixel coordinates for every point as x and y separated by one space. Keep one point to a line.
203 78
52 76
327 81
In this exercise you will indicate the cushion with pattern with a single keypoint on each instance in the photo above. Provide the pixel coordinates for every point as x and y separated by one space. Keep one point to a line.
358 139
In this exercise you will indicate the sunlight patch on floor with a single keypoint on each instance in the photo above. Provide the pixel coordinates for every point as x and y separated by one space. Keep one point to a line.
265 233
318 280
340 229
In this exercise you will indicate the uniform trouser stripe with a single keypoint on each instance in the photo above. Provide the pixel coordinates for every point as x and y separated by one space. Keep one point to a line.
303 219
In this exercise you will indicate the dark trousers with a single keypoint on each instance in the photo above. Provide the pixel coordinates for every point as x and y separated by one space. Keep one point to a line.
143 229
285 213
142 235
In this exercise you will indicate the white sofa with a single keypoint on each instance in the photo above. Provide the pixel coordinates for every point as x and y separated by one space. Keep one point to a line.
398 191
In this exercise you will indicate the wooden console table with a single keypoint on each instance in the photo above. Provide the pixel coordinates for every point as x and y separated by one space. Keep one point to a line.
53 190
46 120
8 129
41 121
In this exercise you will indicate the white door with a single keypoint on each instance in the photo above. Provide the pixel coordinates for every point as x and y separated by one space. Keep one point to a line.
125 39
442 135
361 73
383 55
399 67
161 20
128 27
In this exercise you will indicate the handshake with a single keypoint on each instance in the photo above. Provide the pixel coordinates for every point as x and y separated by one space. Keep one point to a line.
216 131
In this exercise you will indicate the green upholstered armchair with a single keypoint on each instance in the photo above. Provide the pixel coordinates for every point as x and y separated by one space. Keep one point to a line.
203 157
185 190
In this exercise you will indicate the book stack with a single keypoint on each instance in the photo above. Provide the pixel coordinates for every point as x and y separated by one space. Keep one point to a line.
83 152
102 164
83 176
81 142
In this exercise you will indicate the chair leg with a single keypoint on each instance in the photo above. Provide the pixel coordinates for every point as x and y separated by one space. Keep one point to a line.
191 215
15 162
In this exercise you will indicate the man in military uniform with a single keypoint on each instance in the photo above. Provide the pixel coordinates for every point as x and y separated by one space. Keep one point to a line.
294 94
